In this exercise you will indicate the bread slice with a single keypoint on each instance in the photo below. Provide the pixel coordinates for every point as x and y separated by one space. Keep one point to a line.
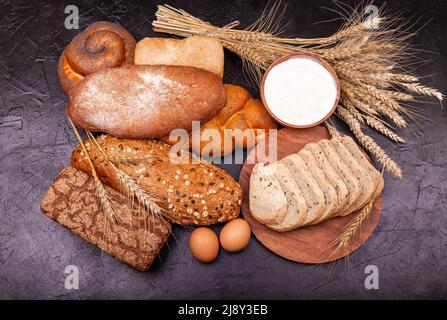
329 192
366 182
267 200
312 192
345 172
332 176
350 144
296 204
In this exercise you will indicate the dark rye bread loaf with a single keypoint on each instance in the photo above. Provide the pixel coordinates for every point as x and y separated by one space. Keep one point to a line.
145 101
192 193
72 202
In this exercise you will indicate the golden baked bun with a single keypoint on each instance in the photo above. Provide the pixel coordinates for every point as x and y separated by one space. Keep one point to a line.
241 112
100 46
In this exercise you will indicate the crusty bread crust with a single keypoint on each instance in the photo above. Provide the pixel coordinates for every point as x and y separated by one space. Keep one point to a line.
145 101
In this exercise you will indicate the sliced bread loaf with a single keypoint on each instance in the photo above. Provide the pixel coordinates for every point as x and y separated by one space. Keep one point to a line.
296 204
312 192
331 174
365 181
345 172
330 195
267 201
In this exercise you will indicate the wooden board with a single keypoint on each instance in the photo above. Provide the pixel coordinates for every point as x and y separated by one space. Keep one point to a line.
310 244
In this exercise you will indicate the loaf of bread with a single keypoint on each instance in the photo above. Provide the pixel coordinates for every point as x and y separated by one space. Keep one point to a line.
219 136
324 180
200 52
100 46
191 192
72 202
145 101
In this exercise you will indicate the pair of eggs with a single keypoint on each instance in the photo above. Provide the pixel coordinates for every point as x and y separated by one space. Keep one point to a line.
234 237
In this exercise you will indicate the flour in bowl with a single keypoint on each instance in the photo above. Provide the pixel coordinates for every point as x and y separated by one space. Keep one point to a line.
300 91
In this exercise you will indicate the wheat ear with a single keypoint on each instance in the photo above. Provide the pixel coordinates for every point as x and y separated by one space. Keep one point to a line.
353 227
423 90
368 143
101 192
129 184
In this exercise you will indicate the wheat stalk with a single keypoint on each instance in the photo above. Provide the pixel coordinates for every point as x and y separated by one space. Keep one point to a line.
101 192
368 143
133 190
369 62
423 90
353 228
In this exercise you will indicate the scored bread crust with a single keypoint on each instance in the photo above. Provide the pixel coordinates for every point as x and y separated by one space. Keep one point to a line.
296 204
271 208
331 174
312 192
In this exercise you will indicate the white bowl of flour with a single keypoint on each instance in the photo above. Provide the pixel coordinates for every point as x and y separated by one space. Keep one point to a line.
300 90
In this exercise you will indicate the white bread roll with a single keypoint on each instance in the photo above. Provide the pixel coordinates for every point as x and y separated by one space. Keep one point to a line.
200 52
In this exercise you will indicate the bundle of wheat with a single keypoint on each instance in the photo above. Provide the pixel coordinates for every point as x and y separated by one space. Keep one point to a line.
368 55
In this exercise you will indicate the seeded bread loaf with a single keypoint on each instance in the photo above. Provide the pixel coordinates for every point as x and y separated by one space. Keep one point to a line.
192 193
72 202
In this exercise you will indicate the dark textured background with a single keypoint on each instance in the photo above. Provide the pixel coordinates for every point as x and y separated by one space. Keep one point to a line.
408 246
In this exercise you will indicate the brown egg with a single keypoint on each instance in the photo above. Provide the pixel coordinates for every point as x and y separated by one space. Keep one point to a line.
204 244
235 235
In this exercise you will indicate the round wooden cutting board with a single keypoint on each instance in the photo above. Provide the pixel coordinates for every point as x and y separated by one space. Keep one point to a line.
310 244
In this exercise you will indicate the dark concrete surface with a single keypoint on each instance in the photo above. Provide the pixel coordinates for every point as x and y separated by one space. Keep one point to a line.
409 246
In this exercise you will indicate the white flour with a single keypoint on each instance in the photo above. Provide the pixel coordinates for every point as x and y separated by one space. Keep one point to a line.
300 91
